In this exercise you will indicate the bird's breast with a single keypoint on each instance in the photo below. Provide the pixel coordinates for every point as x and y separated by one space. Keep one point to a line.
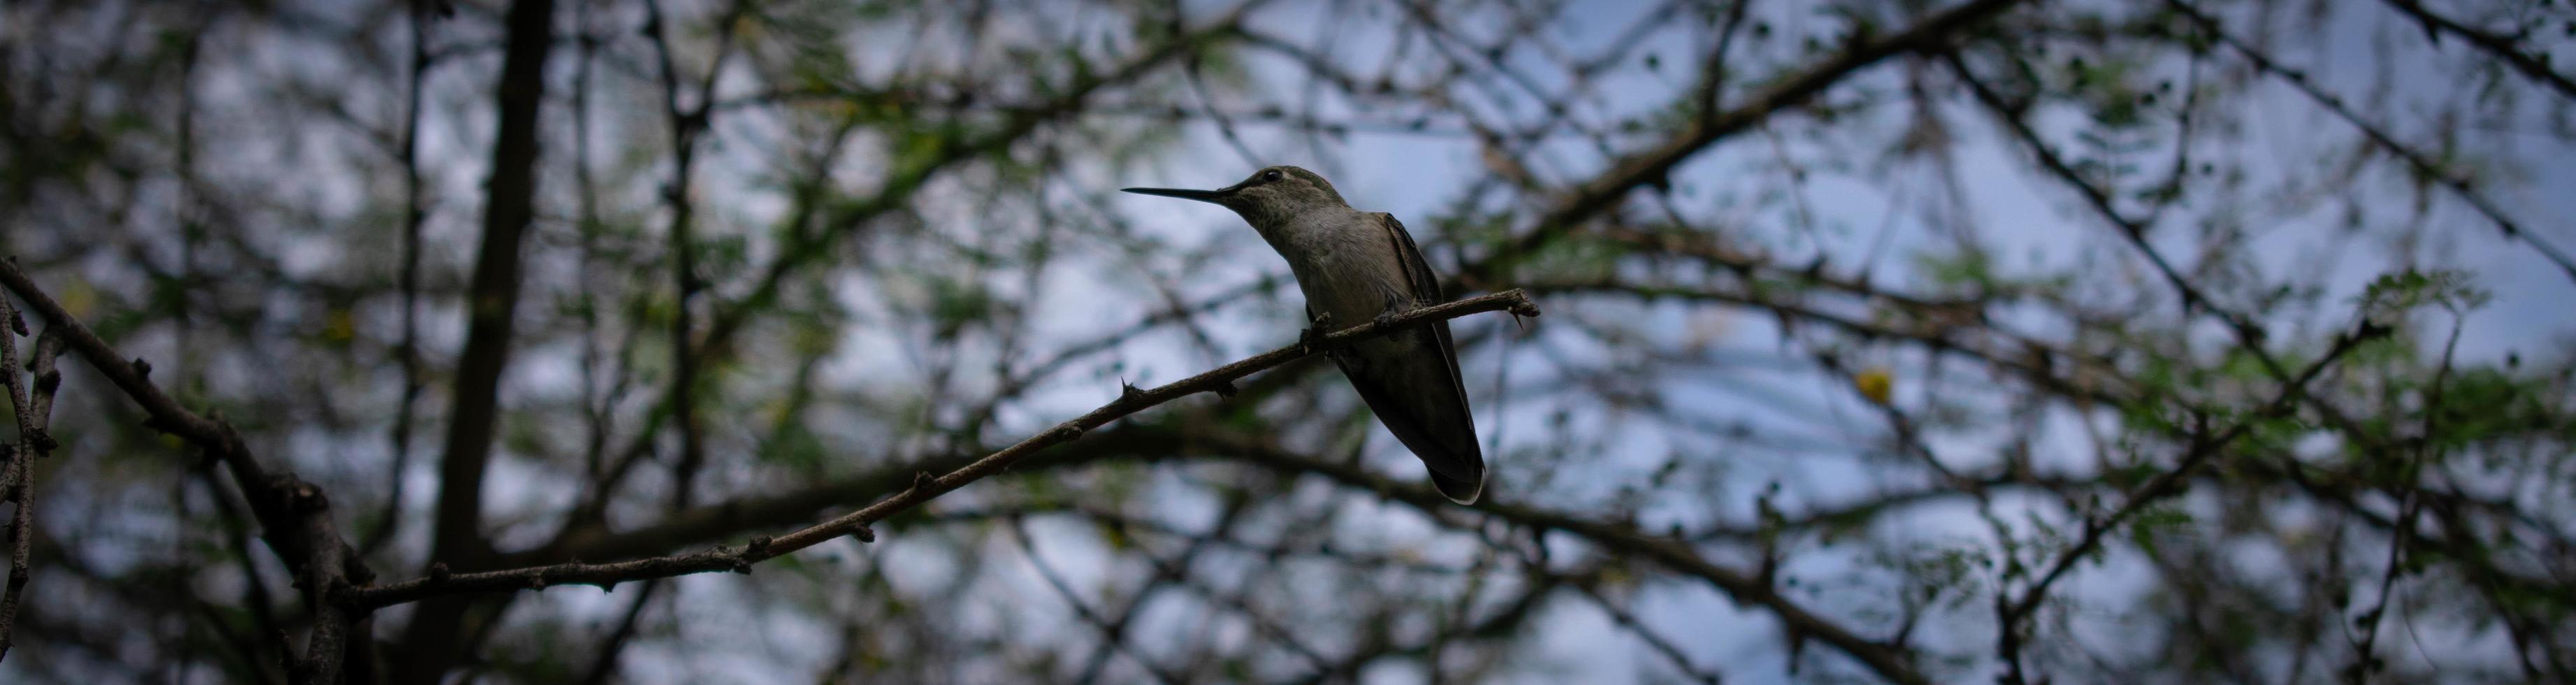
1344 264
1353 285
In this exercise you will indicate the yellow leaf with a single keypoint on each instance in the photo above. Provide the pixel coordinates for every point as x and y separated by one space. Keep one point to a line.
1874 383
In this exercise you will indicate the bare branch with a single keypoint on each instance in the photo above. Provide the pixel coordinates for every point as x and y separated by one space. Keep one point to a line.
2015 610
2416 160
294 516
1651 166
1890 661
19 483
435 633
740 559
2502 46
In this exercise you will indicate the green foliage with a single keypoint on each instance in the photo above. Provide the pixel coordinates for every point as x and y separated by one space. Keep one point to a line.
1967 270
2155 523
1948 576
2390 296
795 446
1578 260
956 304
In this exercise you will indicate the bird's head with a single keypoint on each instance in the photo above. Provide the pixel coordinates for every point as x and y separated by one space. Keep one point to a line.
1270 197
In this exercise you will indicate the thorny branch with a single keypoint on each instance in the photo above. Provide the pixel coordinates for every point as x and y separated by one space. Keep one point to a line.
841 222
2503 46
1654 166
2454 179
2013 610
924 488
1892 662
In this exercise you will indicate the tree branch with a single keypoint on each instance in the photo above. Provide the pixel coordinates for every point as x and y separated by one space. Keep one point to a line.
1892 662
19 483
2415 160
1652 165
2502 46
407 279
494 297
441 582
804 246
295 518
2013 611
431 641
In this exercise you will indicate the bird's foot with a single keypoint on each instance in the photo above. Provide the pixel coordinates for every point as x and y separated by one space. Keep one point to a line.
1385 318
1312 339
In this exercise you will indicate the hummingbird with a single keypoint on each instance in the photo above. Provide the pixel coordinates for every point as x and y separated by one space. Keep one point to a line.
1362 266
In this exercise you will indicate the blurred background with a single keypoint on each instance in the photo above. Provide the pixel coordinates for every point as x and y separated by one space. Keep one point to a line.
1884 340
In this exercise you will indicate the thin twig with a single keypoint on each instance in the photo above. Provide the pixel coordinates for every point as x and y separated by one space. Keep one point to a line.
407 350
2014 610
1111 631
1652 165
2410 507
2502 46
2422 165
1892 662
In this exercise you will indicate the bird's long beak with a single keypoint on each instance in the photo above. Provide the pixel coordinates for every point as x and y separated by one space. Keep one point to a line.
1215 196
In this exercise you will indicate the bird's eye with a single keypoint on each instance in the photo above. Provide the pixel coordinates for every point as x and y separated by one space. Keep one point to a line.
1270 176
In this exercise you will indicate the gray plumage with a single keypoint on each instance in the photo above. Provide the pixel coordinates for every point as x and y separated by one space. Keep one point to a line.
1356 266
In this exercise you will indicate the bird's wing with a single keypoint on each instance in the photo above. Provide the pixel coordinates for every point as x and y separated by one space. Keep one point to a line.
1426 291
1437 427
